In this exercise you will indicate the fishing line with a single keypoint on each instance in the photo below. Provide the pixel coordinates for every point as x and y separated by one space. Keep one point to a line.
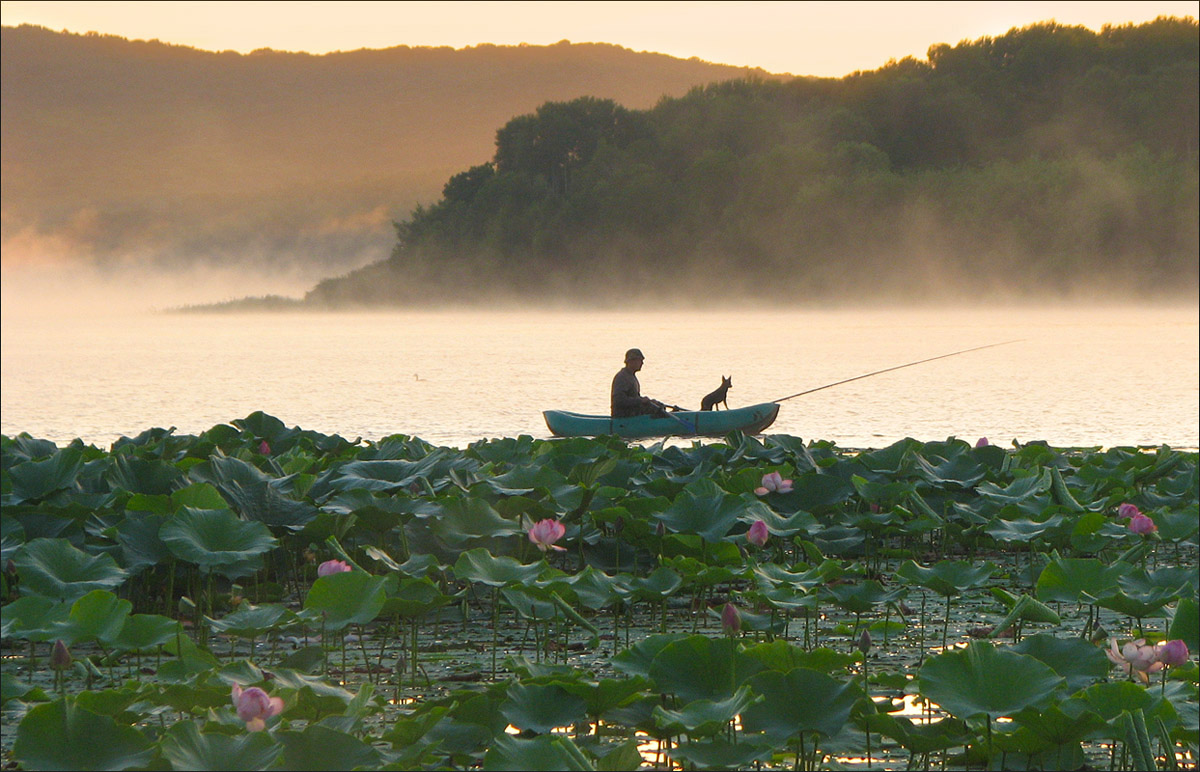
897 367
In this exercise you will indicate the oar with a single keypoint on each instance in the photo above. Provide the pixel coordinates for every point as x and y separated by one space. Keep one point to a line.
897 367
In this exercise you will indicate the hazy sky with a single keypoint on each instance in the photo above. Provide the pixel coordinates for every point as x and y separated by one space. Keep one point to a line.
803 38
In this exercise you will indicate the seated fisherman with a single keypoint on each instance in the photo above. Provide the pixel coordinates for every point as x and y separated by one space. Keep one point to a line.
627 399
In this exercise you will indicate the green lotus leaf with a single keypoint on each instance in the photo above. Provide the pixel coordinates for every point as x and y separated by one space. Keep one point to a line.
1080 662
469 519
33 617
352 597
415 597
151 476
252 621
984 680
542 708
479 565
321 748
1110 700
34 481
200 495
1185 623
62 735
1066 579
920 738
216 540
186 747
704 718
862 597
783 656
1025 529
814 493
97 616
145 631
254 495
702 668
659 585
547 752
141 546
800 700
606 694
704 509
57 569
948 577
636 659
720 753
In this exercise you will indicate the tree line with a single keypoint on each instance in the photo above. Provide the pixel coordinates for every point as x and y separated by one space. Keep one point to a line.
1049 159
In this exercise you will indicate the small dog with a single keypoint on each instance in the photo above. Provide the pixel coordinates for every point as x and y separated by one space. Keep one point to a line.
718 397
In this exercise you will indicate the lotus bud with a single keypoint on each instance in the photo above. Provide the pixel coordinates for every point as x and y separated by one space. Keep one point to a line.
1140 524
758 533
982 442
618 525
731 619
1172 653
660 530
254 706
330 567
264 448
864 642
1127 510
60 656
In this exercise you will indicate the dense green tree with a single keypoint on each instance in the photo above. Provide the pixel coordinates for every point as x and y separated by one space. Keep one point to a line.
1050 158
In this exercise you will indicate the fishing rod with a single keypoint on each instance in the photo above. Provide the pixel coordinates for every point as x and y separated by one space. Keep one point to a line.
897 367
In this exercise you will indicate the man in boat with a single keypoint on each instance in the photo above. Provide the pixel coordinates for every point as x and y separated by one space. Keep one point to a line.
627 399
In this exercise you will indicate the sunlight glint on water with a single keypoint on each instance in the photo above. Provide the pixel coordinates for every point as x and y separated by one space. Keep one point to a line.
1079 378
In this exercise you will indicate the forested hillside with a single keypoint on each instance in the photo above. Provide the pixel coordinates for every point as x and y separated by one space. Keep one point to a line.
1050 160
124 152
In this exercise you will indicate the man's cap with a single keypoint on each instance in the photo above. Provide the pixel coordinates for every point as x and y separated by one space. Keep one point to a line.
633 353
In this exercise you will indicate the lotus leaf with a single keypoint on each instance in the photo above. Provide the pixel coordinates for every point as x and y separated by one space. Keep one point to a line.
1185 623
34 481
920 738
145 631
186 747
479 565
321 748
216 540
542 708
983 680
1066 579
636 659
57 569
698 667
1080 662
353 597
704 718
97 616
704 509
464 520
62 735
547 752
948 577
783 715
252 621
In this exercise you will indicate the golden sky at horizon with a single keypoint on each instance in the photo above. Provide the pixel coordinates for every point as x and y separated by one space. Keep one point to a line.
804 38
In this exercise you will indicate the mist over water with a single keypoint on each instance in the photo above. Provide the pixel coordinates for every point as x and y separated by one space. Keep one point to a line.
1081 376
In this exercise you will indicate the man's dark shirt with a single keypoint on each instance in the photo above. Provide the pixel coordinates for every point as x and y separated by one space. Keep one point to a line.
627 395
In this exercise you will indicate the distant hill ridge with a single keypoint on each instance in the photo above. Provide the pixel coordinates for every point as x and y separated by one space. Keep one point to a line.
118 151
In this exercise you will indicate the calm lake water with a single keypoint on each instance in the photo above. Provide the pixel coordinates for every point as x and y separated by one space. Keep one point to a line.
1101 376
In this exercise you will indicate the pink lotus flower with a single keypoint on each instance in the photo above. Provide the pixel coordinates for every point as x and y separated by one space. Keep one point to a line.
330 567
758 533
545 533
982 443
1135 658
1140 524
731 619
1127 510
264 448
1171 653
773 482
254 706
